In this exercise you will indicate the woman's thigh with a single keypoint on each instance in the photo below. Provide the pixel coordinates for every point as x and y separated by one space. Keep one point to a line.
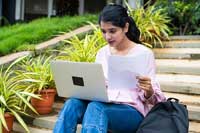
73 109
123 118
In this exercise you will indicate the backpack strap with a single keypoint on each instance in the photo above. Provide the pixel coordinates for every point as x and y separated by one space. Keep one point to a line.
170 105
173 99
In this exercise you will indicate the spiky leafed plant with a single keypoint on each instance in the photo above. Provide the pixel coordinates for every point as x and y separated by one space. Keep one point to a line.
13 97
83 50
36 73
152 23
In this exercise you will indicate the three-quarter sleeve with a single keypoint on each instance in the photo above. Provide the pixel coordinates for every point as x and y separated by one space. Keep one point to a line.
157 96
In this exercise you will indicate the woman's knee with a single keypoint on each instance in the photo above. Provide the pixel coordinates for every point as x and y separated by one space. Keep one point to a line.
73 105
95 106
95 110
73 102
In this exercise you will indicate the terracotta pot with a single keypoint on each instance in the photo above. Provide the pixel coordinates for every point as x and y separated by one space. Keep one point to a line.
9 120
44 106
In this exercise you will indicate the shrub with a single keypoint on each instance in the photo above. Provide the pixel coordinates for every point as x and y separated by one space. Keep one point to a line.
14 98
185 15
152 23
83 50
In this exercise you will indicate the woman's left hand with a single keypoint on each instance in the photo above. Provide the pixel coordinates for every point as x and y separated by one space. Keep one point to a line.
144 83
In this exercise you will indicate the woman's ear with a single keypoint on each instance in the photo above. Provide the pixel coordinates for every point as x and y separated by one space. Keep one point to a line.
126 27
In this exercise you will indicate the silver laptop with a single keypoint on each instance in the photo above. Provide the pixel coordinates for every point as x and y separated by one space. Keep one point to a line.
81 80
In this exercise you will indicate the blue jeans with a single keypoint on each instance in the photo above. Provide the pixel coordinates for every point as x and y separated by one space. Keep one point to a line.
97 117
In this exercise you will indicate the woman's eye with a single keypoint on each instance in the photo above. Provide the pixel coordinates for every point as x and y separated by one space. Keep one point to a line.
103 31
112 31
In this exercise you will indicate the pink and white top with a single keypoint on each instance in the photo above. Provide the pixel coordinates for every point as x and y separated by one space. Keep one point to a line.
134 96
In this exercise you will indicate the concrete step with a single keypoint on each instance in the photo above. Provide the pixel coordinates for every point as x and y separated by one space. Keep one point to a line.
194 127
188 84
194 112
5 60
49 122
184 37
177 53
192 102
45 124
17 128
182 44
178 66
40 124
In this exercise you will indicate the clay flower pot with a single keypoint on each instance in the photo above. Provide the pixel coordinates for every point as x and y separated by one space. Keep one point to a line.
9 121
44 106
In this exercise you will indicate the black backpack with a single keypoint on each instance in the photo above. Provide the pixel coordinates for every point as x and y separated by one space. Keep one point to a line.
166 117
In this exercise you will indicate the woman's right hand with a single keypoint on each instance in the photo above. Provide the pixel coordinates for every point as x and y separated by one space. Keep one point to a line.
144 83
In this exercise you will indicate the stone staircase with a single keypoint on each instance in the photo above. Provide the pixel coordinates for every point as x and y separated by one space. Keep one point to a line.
178 71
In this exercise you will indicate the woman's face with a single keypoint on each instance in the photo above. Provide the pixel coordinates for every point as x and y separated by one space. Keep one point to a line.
113 35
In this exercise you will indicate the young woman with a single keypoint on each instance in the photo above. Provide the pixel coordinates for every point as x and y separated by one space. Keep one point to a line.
129 106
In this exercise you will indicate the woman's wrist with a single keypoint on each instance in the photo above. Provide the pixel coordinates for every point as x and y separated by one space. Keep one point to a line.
148 93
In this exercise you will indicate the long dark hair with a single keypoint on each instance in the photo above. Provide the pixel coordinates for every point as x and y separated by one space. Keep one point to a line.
118 16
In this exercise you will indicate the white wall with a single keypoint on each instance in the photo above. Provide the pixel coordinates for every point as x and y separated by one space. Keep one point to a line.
50 8
81 7
135 3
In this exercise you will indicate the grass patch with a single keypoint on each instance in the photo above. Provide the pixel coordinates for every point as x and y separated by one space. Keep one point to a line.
18 36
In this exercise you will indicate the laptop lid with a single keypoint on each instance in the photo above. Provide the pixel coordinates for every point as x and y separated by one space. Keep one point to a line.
81 80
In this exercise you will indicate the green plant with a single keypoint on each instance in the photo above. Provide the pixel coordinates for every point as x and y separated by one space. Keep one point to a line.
83 50
185 15
25 47
37 31
13 97
35 73
152 24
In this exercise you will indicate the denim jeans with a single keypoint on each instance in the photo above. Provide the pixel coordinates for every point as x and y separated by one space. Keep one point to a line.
97 117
